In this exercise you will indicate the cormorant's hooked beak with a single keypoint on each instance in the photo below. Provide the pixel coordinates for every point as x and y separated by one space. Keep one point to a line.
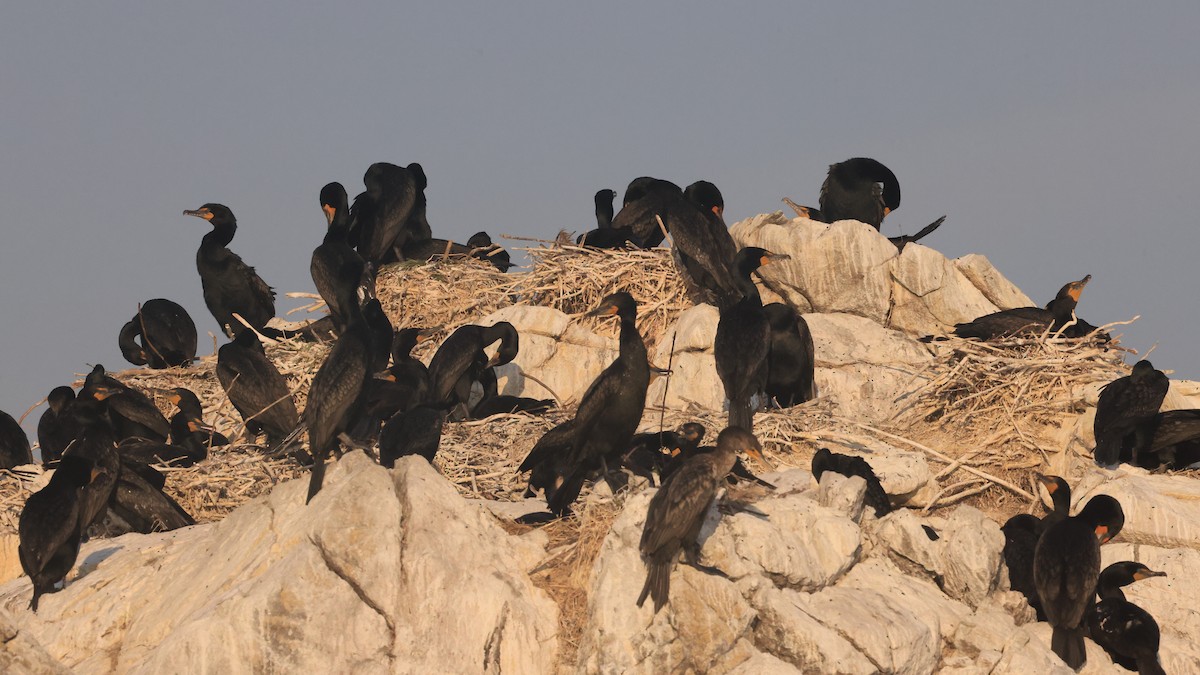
1076 287
425 334
769 258
756 453
1103 535
200 213
1047 482
1146 573
385 375
607 309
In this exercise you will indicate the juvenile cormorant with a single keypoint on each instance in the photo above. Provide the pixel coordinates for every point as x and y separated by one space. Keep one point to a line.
701 245
1021 534
651 453
1066 566
50 527
605 235
57 427
483 248
791 361
382 212
610 409
743 340
230 285
460 360
849 465
691 446
257 389
1027 320
677 511
417 431
334 259
131 413
14 444
1125 405
1127 632
167 332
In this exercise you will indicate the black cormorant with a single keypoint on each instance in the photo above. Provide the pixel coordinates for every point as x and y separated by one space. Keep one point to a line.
701 245
549 461
57 427
605 235
1125 405
690 446
97 444
417 431
230 285
1174 436
651 453
791 362
1027 320
743 340
167 332
188 425
334 259
51 525
849 465
14 444
677 511
1021 534
382 212
494 403
141 505
257 389
460 360
405 383
131 413
483 248
646 201
1127 632
1066 566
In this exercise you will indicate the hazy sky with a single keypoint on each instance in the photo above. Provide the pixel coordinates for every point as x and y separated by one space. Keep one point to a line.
1059 138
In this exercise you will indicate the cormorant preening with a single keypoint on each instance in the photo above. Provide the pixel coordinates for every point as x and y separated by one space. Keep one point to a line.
701 246
1021 534
1066 566
57 427
605 235
743 340
849 465
417 431
51 525
483 248
1125 405
141 505
1127 632
230 285
131 413
257 389
460 360
791 361
646 200
168 335
494 403
14 444
677 511
609 411
382 212
1028 320
334 259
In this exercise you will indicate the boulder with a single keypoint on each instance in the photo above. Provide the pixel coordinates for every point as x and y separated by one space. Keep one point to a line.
999 291
1160 510
694 380
971 548
931 294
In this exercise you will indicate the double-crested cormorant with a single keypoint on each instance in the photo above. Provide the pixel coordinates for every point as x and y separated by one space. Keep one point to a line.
483 248
132 413
334 259
494 403
50 527
97 444
382 212
460 360
230 285
14 444
1127 632
1125 405
168 335
417 431
141 505
646 201
57 427
691 446
605 235
1027 320
257 389
849 465
677 510
791 362
154 452
188 425
1066 566
651 453
702 247
1174 436
610 409
743 340
1021 534
549 460
405 383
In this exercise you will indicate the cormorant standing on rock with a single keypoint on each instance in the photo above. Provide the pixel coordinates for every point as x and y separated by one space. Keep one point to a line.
849 465
1125 405
417 431
702 247
1066 566
460 360
791 361
168 336
677 511
1127 632
57 427
743 340
51 525
257 389
14 444
230 285
1021 534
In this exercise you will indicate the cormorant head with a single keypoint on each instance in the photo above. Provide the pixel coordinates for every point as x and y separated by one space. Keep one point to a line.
217 214
1104 514
752 257
1126 572
186 401
604 198
692 432
1142 369
480 240
820 462
407 338
867 169
1074 289
333 201
248 339
1053 484
739 440
510 342
619 304
59 397
706 196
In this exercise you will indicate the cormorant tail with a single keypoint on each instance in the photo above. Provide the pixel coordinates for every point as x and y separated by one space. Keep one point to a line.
1107 452
741 414
1147 667
658 584
318 477
1068 644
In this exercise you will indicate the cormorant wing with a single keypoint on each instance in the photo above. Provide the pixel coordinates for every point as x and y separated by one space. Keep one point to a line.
682 499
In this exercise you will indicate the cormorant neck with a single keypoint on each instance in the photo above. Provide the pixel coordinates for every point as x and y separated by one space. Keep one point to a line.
221 234
1062 309
604 214
1062 500
746 285
130 349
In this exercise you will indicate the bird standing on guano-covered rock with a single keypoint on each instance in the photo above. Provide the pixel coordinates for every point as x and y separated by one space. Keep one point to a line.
1127 632
791 361
1021 534
51 525
460 360
230 285
256 389
743 340
1066 566
849 465
167 332
677 511
1125 405
1031 321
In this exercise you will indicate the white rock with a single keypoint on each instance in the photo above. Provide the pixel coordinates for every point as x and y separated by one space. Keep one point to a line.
971 548
846 495
1160 510
787 631
999 291
931 294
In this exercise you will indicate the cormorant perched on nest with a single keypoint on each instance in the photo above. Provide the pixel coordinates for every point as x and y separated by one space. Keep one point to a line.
1066 566
608 414
140 505
460 360
14 444
605 235
56 427
677 510
131 413
383 211
1175 439
701 246
1125 405
51 525
791 361
865 190
482 248
257 389
1127 632
651 453
168 335
230 285
743 340
334 259
405 383
1029 320
646 200
1021 534
417 431
849 465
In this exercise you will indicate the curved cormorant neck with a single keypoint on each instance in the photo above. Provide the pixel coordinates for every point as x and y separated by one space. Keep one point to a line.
221 234
1062 309
631 339
745 284
130 349
1061 498
509 341
604 212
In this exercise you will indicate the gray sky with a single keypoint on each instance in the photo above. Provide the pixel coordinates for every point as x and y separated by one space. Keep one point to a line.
1059 138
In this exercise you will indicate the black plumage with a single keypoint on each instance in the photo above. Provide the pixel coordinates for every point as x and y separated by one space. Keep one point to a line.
97 444
1174 436
167 332
1127 632
51 526
230 285
57 427
1028 320
651 453
483 248
256 388
140 505
1066 566
677 511
1021 534
1125 405
701 246
14 444
131 413
334 259
743 341
791 361
187 425
849 465
382 213
646 201
417 431
460 360
494 403
605 235
549 460
155 452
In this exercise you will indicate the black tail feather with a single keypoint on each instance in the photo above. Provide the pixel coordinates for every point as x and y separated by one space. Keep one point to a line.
658 584
741 414
318 477
1069 645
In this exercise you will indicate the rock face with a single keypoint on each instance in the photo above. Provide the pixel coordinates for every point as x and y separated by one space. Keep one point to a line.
347 583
